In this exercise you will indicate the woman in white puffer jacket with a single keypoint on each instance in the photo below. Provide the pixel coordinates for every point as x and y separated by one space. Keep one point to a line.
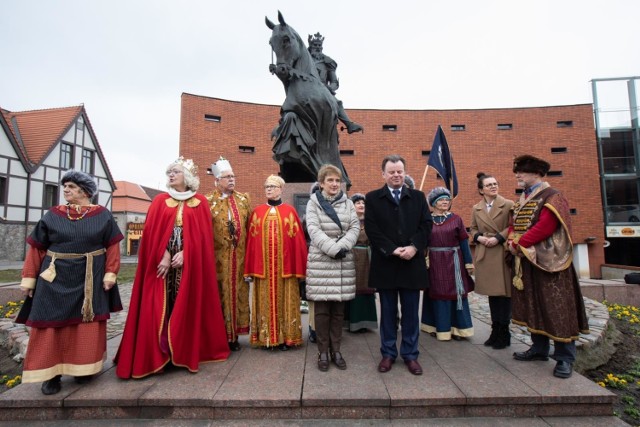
333 226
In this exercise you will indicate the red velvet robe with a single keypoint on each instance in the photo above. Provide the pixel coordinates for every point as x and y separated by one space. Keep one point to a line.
294 245
196 326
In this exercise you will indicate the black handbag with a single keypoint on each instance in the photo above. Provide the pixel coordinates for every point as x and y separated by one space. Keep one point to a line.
632 279
302 285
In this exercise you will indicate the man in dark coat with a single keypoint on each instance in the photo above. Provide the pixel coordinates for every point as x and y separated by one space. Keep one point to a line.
398 225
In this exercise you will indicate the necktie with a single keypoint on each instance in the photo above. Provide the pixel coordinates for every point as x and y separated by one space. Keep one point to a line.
396 196
489 206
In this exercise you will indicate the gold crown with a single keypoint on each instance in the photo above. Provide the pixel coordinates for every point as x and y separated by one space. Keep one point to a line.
187 164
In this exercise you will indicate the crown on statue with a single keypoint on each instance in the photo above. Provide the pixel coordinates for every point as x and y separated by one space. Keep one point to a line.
187 164
316 40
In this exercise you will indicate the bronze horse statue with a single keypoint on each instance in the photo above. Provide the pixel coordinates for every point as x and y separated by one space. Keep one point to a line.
306 136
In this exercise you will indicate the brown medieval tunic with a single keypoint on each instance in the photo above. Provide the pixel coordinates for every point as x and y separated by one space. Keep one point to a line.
550 302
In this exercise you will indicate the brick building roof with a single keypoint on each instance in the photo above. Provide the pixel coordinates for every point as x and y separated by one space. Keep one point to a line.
35 133
130 197
38 131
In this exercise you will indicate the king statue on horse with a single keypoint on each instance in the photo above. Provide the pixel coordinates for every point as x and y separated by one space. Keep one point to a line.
307 135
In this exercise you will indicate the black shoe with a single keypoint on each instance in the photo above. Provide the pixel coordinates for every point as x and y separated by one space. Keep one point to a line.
234 345
503 338
284 347
83 379
323 362
563 369
52 386
312 335
529 355
493 336
339 360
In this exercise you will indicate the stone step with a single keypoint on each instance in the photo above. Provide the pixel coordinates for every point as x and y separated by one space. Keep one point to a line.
462 379
609 421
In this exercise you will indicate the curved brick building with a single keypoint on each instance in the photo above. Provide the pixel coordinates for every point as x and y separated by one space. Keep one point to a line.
480 140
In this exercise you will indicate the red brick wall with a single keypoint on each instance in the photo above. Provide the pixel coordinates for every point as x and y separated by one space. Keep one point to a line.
480 147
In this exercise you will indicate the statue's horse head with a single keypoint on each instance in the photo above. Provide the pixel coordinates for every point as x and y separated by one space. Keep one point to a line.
291 52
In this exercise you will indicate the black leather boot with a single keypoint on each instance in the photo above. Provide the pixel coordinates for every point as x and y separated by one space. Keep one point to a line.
493 336
353 127
503 338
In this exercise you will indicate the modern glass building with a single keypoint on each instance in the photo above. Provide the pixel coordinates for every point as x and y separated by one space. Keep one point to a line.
615 103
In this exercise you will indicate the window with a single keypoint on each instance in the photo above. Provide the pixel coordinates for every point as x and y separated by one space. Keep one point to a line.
622 200
246 149
212 118
87 161
554 173
346 152
390 128
564 123
50 196
80 125
617 152
426 152
3 189
505 126
66 156
573 211
557 150
457 127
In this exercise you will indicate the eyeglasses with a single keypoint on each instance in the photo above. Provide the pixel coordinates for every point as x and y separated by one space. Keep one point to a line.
228 177
492 184
173 171
270 187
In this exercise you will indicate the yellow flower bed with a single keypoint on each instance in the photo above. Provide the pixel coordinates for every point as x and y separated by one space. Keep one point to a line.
10 309
627 313
10 382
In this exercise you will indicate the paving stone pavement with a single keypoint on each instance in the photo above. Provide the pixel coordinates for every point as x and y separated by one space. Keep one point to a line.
597 313
598 317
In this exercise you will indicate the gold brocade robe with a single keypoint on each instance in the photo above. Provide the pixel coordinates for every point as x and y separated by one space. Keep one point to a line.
230 219
275 302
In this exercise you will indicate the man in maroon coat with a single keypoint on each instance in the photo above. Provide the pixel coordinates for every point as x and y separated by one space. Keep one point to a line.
547 298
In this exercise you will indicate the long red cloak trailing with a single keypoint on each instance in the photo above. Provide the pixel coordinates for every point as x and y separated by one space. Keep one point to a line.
196 326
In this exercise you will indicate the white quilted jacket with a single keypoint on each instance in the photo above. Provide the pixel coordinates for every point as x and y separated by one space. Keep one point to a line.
330 279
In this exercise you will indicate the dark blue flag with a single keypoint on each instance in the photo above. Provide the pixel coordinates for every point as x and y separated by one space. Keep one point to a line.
441 160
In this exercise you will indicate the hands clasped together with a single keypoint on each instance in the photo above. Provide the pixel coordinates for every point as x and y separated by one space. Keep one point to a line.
169 262
405 252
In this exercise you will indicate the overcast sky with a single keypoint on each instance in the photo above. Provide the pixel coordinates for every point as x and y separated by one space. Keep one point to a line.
128 61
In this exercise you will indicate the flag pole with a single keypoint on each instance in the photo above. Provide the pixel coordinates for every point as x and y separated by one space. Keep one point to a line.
424 175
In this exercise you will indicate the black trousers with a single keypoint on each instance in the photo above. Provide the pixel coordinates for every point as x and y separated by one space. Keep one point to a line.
565 351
